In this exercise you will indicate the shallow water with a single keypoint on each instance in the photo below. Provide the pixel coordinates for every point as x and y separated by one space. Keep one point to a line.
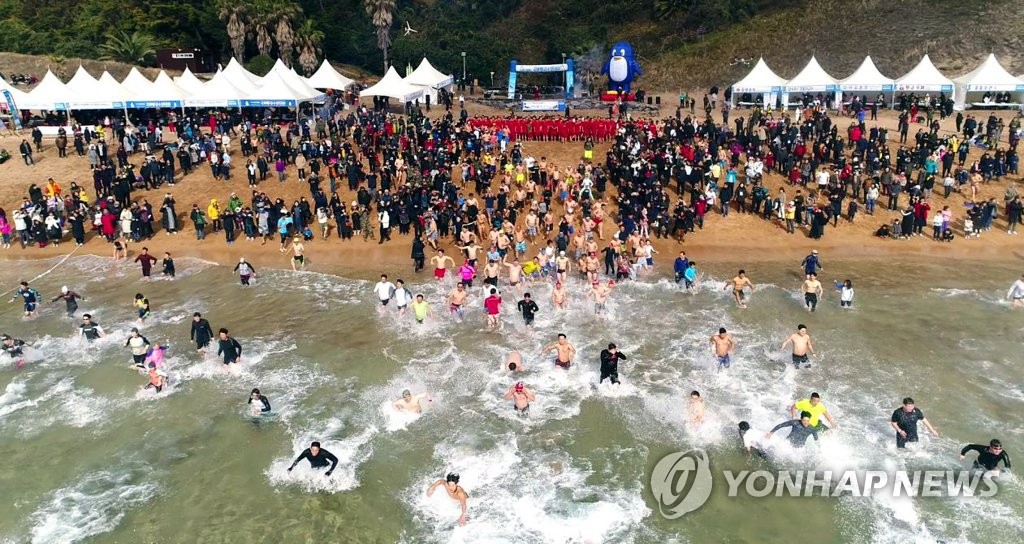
86 457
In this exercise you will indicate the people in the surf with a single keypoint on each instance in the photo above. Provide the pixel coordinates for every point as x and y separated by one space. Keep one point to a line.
146 261
457 301
202 333
15 348
441 262
817 409
318 458
258 402
600 293
753 440
384 289
690 277
229 349
802 347
513 362
528 307
420 309
610 363
904 421
680 265
30 298
168 263
410 403
141 305
492 308
245 271
454 490
90 329
157 378
565 351
989 456
845 293
723 345
298 258
70 298
812 263
799 430
696 409
403 297
1015 294
139 346
559 296
155 356
812 291
521 397
738 284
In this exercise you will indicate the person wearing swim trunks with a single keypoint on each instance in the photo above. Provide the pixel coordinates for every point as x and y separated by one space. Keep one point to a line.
723 346
565 351
600 294
738 284
139 346
812 290
559 296
440 262
467 273
521 398
513 362
515 274
229 348
457 301
141 304
528 308
410 403
802 346
492 306
298 259
455 492
491 273
29 296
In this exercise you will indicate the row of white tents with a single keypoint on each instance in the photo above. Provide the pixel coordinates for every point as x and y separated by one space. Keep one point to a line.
990 76
233 86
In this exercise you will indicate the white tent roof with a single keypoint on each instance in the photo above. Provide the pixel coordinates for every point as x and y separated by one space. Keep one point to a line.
216 93
326 77
924 77
113 89
293 79
163 93
760 79
866 78
50 94
392 85
17 94
188 82
240 77
813 78
275 91
990 76
93 95
136 82
426 75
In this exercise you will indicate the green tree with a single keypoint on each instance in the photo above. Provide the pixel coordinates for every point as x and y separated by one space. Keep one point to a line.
284 14
260 65
134 48
382 14
307 40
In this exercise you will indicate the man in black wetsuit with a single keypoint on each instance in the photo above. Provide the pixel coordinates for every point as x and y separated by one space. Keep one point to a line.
90 329
799 430
202 333
988 456
317 457
610 363
229 348
528 308
15 348
263 403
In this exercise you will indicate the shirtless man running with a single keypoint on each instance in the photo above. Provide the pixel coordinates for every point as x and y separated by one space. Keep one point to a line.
521 398
566 351
723 346
812 290
738 283
515 274
457 301
696 409
297 248
801 346
562 266
600 294
411 403
559 297
441 262
513 362
454 490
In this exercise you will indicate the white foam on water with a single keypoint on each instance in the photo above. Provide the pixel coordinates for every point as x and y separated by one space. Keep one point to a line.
351 452
92 505
15 398
396 420
255 351
550 503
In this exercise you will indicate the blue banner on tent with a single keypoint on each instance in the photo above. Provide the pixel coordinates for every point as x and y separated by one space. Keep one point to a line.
268 103
154 104
543 105
13 108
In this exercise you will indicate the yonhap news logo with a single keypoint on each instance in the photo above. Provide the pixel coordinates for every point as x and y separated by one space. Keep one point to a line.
681 482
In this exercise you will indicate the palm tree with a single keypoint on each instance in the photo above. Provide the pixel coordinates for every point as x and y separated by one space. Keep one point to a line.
382 13
283 14
261 30
307 41
135 48
236 15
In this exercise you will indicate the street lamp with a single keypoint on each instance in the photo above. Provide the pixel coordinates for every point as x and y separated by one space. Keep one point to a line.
463 69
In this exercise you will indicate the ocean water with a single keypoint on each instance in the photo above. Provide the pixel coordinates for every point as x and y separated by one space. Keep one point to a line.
87 456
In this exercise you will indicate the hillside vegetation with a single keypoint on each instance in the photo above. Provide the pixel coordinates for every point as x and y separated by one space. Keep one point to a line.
681 43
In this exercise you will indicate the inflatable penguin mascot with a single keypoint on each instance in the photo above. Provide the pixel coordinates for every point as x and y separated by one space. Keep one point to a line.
622 68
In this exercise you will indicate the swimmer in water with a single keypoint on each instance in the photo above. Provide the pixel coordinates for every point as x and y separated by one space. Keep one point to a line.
262 405
70 300
753 440
492 306
454 490
139 346
696 409
410 403
229 348
799 430
610 363
317 457
457 301
157 378
513 362
812 291
141 304
723 346
600 294
15 348
155 356
29 296
988 456
245 271
528 308
440 262
1015 294
802 346
559 296
202 333
565 351
817 409
521 398
420 309
739 283
90 329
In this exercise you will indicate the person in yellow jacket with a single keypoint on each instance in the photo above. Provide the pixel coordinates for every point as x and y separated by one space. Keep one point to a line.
213 214
52 189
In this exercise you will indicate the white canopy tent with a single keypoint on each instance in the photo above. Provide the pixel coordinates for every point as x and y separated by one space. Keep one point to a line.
216 93
17 94
293 79
188 82
239 76
275 91
391 85
91 94
50 94
924 77
866 79
430 78
136 82
813 79
760 80
163 93
326 77
990 76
